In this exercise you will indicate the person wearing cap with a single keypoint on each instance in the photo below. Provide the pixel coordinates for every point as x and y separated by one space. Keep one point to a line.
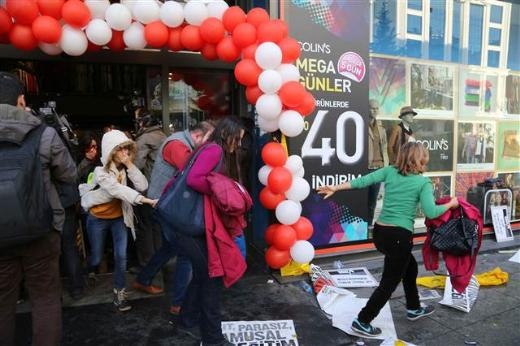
109 202
401 133
377 154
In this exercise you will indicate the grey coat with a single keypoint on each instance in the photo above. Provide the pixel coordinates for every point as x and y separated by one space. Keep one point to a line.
57 164
148 143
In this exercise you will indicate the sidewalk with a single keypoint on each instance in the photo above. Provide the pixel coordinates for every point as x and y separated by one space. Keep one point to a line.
494 320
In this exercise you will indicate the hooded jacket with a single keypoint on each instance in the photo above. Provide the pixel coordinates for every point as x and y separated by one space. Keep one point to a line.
106 178
57 164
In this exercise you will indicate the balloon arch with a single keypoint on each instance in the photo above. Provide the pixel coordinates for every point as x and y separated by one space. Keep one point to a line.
266 68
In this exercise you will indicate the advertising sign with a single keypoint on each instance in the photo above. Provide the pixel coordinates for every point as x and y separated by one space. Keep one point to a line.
333 65
256 333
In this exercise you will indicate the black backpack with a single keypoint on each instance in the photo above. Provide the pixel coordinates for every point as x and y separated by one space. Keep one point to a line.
25 212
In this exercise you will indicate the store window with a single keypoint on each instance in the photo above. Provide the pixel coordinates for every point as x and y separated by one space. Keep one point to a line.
195 95
476 21
415 5
414 25
384 39
496 14
456 31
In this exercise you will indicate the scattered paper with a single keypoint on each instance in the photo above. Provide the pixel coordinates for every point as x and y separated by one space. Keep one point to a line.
350 309
352 277
396 342
516 257
333 300
428 294
249 333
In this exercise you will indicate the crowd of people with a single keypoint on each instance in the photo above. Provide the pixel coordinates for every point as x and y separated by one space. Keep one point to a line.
118 182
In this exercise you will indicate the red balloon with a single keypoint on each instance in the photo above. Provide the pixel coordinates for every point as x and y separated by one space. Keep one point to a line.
191 39
279 180
209 51
307 106
46 29
117 43
257 16
282 26
277 258
292 94
75 13
253 93
174 41
303 228
274 154
284 237
232 17
290 49
249 51
212 30
4 38
270 199
5 21
51 7
21 37
227 51
24 12
93 47
269 233
269 32
244 35
156 34
247 72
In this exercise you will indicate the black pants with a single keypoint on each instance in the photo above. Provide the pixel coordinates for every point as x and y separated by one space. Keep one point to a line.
396 244
201 304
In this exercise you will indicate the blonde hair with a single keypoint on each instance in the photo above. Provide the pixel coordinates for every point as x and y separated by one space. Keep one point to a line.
132 152
412 158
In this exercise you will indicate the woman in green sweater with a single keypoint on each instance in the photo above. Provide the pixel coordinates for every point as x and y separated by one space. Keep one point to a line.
405 186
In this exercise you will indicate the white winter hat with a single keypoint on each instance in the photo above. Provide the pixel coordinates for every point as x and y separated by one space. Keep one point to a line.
113 140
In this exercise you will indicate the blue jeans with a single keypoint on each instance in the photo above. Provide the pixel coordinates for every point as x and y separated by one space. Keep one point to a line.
202 302
97 230
181 277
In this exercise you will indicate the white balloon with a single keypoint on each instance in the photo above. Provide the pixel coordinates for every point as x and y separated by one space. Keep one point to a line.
172 14
289 73
98 32
288 212
302 252
146 11
269 106
97 8
269 81
263 173
195 12
217 8
50 48
268 56
294 163
300 173
134 36
291 123
73 41
129 3
118 17
299 190
268 125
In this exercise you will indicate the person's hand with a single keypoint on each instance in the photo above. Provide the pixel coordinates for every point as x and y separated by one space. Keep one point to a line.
454 203
124 157
326 191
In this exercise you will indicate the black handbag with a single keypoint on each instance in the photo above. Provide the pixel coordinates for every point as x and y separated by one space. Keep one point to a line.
458 236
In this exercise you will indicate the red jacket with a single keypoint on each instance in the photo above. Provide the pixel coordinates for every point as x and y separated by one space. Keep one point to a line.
461 268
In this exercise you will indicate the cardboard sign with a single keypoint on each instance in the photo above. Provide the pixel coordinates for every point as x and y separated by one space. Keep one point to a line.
501 223
352 277
260 333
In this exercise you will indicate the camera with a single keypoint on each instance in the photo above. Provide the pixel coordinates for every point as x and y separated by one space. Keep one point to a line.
48 114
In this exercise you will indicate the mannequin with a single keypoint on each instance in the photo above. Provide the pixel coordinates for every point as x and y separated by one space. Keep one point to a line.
401 133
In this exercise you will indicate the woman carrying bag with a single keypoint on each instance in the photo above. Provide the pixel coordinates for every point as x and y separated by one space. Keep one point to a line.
109 202
201 306
405 186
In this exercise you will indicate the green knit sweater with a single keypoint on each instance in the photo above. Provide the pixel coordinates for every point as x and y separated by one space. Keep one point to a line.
402 193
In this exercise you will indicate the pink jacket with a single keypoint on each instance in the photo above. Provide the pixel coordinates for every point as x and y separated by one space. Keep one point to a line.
461 268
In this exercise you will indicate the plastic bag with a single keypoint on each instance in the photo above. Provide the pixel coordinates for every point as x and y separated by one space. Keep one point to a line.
463 301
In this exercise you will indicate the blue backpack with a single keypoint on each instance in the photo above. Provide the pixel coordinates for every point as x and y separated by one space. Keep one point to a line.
25 210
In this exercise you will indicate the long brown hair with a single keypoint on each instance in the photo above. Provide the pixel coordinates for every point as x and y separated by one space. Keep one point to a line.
412 158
